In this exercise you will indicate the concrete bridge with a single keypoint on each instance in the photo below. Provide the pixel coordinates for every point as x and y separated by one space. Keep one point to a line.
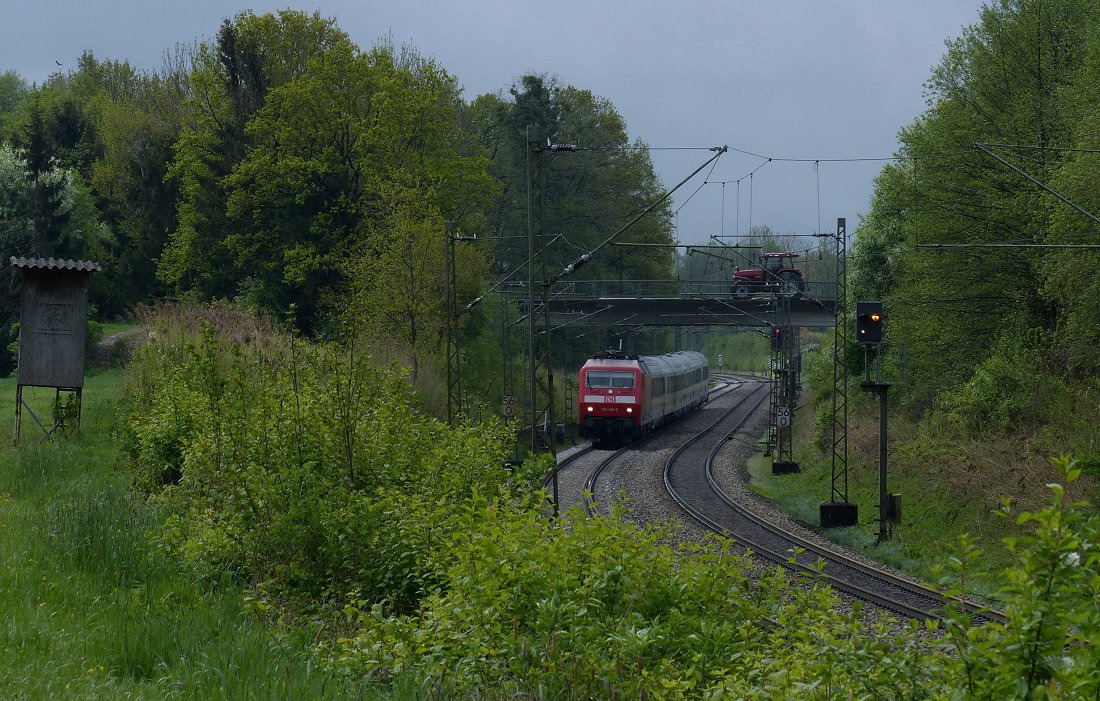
611 303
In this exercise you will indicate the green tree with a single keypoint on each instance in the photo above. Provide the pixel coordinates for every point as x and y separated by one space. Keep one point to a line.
589 194
296 202
401 277
13 90
113 129
136 198
1070 278
427 172
229 83
47 211
340 156
1004 81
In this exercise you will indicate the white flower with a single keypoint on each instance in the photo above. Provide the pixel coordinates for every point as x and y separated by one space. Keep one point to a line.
1071 559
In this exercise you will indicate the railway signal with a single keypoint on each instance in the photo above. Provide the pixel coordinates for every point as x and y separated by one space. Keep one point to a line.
869 318
777 338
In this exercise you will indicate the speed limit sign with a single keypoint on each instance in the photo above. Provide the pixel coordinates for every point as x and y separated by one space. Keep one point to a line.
783 416
508 406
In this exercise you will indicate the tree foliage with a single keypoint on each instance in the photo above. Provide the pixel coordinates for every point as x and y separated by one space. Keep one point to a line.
1070 280
341 156
296 145
13 90
113 128
229 83
589 194
1015 79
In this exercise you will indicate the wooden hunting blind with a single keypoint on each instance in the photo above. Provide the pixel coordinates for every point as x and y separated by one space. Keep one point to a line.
52 333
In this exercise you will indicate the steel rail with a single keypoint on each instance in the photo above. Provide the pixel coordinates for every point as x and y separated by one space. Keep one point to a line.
934 600
590 483
828 554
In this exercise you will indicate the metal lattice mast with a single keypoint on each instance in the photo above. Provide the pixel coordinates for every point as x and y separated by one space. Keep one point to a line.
840 369
454 378
787 396
538 340
774 358
785 363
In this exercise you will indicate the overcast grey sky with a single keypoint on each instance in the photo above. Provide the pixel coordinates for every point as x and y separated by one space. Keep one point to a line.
798 79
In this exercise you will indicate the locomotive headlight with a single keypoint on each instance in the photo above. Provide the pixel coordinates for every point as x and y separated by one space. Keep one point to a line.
630 410
590 408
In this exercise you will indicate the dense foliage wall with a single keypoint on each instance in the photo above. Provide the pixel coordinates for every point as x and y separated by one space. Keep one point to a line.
1011 116
283 167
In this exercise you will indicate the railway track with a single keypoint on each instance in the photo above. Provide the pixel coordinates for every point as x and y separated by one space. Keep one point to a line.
689 479
579 471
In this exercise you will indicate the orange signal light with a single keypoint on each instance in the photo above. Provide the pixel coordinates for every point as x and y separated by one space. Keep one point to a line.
869 322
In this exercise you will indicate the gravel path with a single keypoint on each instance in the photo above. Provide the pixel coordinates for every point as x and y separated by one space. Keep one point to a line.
115 350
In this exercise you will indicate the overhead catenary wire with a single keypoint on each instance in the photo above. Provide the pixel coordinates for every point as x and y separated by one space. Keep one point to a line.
982 146
843 159
1049 162
948 246
817 177
1042 147
820 160
723 183
477 300
696 191
576 264
816 161
713 163
751 175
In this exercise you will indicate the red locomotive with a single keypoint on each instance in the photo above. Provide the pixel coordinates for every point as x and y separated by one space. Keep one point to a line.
624 395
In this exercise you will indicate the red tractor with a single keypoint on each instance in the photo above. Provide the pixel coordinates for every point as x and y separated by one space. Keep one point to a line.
776 275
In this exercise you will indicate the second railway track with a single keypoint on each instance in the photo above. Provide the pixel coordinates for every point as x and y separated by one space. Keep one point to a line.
688 474
580 468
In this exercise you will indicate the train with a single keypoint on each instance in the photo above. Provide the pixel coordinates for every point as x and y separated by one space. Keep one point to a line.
623 396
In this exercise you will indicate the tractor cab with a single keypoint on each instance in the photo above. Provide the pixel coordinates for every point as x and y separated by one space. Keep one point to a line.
778 262
776 274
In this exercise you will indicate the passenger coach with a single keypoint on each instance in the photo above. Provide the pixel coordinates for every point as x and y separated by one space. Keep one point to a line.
624 395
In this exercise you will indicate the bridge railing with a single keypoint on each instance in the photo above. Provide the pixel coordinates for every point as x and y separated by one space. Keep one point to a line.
641 289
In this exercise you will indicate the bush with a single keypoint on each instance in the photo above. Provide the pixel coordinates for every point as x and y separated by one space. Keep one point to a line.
301 466
1046 650
1008 390
601 609
304 469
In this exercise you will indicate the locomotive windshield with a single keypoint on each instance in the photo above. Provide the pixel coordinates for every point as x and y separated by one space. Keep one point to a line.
609 380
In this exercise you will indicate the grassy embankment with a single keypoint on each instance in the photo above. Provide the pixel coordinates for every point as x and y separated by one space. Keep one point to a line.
91 610
950 484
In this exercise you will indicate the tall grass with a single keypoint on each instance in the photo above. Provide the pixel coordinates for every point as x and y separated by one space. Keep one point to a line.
92 610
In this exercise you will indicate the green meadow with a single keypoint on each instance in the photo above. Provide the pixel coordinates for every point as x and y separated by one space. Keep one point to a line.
91 608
